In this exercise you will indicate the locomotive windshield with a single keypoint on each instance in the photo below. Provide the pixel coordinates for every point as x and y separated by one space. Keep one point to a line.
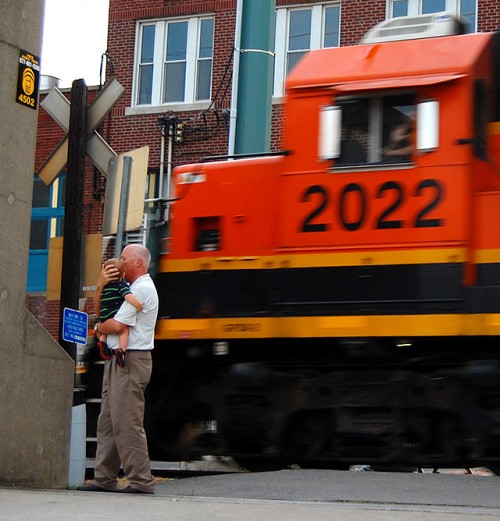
377 130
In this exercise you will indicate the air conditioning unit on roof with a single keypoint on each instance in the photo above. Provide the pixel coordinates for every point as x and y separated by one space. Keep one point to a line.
413 27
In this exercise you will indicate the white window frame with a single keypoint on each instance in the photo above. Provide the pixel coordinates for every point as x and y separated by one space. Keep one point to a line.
160 42
415 8
282 33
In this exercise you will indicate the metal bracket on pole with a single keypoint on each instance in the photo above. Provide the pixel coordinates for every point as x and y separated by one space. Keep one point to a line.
122 212
271 53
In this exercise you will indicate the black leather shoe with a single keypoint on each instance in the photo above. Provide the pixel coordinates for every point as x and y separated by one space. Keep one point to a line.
132 490
93 488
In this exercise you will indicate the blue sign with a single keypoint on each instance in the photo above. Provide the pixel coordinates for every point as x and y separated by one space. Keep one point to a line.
75 326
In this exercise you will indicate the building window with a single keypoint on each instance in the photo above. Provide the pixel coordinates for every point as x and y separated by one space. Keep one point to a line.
465 9
300 30
47 221
174 61
145 72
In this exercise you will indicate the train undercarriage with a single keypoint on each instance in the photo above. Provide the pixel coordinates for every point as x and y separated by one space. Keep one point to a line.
374 403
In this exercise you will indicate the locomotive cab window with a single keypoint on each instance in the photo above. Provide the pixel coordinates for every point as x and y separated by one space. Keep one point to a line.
377 130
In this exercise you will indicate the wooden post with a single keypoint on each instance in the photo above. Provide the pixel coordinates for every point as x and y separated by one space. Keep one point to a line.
73 214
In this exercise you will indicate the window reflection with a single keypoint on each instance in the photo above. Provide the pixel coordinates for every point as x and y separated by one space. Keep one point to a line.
299 38
354 145
377 129
397 130
146 64
41 194
399 8
205 54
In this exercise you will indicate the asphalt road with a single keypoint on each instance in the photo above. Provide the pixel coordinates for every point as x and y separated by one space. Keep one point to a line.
342 486
302 495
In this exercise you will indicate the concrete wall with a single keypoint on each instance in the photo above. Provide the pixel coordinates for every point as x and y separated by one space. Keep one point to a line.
36 375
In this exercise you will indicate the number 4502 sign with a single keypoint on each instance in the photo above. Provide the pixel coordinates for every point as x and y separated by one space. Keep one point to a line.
28 79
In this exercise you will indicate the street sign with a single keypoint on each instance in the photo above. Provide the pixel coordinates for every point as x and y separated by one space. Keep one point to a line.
58 106
136 191
28 79
75 326
90 266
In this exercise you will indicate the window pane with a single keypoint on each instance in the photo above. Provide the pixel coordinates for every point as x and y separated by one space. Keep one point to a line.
62 190
399 8
433 6
468 14
175 68
332 25
146 65
206 39
175 78
41 194
205 53
145 84
37 271
398 124
300 30
204 80
377 129
177 41
355 134
148 43
293 59
39 234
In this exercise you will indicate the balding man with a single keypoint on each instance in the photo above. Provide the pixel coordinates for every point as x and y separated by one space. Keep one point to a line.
121 440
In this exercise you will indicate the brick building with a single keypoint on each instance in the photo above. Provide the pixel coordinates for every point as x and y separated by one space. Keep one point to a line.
175 60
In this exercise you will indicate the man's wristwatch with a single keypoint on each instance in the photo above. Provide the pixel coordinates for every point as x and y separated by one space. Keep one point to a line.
96 327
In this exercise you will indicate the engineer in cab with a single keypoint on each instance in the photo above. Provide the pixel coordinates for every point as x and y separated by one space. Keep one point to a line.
400 146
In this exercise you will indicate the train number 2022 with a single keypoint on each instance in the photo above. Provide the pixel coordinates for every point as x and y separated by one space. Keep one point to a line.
353 204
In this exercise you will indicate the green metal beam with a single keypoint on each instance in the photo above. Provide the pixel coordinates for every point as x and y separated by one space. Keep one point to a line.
255 79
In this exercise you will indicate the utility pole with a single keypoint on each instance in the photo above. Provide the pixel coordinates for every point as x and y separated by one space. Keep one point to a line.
73 215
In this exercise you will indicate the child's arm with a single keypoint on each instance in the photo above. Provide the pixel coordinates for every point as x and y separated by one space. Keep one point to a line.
133 300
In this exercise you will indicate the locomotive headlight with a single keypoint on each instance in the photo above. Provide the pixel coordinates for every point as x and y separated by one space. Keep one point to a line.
190 178
221 348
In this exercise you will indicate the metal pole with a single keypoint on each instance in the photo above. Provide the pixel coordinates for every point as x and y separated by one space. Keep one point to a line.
255 79
162 164
169 167
122 212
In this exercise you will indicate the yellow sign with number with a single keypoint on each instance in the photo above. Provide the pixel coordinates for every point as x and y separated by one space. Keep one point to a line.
28 79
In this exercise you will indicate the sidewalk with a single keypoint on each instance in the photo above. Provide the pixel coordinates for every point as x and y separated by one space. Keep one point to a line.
289 495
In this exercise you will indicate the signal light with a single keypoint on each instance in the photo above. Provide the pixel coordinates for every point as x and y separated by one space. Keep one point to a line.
179 132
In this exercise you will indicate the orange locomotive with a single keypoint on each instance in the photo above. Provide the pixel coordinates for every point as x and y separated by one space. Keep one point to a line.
339 302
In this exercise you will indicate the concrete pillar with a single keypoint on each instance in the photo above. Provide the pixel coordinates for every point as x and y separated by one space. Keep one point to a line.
36 374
